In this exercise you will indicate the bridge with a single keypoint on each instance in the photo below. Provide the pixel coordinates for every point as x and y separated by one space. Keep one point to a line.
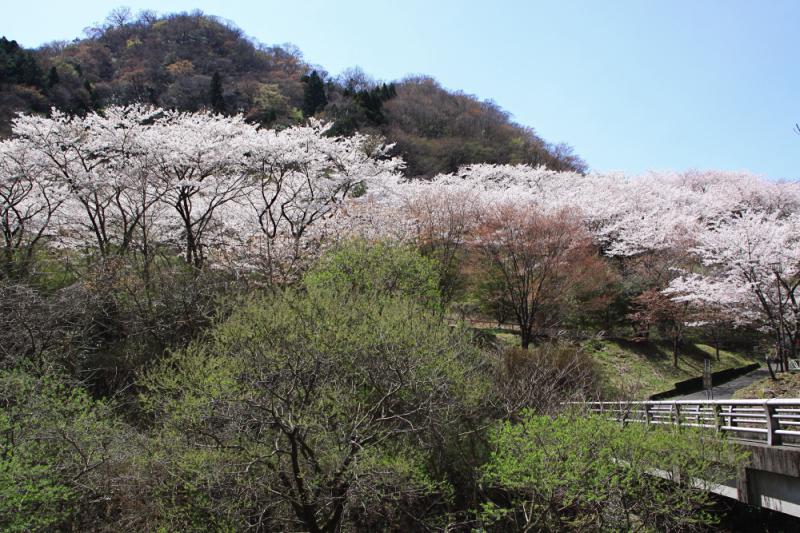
769 429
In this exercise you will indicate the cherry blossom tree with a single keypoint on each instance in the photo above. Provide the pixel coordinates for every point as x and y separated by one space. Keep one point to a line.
97 159
136 177
715 306
444 223
198 158
300 176
28 201
753 261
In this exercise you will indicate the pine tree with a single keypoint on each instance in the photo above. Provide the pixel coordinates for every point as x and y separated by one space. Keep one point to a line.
52 77
18 65
216 96
314 97
94 101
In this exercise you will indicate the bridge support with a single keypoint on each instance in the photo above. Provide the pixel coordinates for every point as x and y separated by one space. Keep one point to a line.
771 479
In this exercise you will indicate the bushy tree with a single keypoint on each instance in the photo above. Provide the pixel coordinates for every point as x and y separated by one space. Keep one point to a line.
543 260
58 449
541 379
311 411
376 269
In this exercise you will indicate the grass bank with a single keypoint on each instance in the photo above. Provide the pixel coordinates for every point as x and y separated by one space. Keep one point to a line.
784 386
639 369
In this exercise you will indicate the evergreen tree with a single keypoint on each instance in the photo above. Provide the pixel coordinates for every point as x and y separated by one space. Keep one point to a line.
372 101
52 77
93 98
152 96
314 97
216 97
18 65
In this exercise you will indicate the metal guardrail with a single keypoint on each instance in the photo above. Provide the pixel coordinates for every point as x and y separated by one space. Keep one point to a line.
771 422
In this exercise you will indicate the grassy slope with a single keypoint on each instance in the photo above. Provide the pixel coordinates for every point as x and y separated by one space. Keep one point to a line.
640 369
784 386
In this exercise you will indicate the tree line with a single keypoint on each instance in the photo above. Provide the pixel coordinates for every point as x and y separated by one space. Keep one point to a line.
700 253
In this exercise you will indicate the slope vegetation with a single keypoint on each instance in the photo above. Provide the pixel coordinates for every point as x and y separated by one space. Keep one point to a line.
192 61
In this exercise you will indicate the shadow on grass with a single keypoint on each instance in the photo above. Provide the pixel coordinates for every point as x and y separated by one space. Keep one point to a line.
660 350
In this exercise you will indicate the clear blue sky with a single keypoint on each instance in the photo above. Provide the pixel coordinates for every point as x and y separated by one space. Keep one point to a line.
631 84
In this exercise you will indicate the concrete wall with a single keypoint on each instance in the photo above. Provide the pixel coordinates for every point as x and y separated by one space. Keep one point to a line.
771 479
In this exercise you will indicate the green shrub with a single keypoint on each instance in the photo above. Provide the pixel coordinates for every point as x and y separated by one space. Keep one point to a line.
56 447
360 267
589 473
313 406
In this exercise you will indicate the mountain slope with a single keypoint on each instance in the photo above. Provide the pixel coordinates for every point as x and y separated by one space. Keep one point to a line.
191 61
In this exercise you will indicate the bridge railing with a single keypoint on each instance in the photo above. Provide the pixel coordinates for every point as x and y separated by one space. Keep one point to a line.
772 422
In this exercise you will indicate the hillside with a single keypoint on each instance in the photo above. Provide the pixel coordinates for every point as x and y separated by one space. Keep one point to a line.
785 385
195 61
640 369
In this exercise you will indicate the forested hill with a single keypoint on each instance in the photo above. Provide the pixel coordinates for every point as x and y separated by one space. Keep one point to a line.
195 61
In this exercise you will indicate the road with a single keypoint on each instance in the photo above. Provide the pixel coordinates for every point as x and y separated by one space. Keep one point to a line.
726 390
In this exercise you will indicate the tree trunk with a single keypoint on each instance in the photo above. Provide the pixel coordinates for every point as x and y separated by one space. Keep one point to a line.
525 337
771 372
525 341
715 335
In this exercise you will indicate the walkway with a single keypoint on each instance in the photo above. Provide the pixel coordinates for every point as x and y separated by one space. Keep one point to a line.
726 390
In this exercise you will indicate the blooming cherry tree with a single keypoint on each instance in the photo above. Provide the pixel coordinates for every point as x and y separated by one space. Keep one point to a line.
754 263
199 160
300 176
97 160
28 201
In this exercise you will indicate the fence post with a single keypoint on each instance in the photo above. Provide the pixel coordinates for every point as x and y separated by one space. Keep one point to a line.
647 415
677 414
773 438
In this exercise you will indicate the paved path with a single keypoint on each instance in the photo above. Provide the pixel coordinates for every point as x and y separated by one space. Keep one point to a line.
726 390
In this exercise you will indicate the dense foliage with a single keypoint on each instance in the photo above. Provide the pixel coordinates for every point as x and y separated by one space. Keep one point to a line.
337 407
376 270
586 473
317 409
